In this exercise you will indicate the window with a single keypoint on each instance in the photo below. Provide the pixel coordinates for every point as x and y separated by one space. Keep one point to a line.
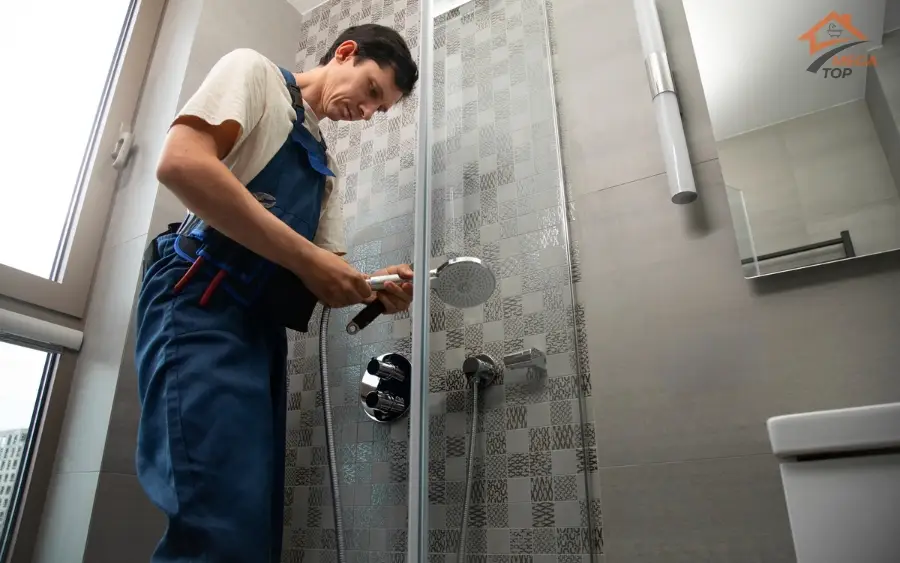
69 111
22 376
77 72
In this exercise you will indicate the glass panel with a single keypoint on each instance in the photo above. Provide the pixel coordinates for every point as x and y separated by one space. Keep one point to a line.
51 119
497 195
377 177
21 374
737 204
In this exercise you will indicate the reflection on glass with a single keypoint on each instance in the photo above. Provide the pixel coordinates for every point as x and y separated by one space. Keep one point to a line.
743 231
496 194
808 129
21 372
57 56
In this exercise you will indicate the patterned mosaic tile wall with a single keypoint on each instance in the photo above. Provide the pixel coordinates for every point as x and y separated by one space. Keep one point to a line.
496 196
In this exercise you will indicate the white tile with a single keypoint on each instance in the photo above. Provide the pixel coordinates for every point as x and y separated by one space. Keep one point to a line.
510 247
490 233
473 315
438 341
511 287
532 302
493 331
66 518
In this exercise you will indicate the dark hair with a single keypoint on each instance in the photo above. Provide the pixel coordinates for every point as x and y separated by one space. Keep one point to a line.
384 46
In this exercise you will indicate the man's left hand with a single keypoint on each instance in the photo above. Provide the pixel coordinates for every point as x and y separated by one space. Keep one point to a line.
395 296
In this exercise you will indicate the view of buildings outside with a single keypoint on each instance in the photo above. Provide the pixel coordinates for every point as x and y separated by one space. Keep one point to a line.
12 446
21 372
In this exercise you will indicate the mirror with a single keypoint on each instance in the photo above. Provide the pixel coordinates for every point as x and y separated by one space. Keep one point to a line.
804 99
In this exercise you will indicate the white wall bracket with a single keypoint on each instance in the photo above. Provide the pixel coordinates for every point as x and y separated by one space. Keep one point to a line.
665 104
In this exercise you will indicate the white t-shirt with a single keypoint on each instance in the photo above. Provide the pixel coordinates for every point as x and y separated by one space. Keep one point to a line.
246 87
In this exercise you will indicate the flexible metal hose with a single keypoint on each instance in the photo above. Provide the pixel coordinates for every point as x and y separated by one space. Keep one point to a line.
329 436
470 472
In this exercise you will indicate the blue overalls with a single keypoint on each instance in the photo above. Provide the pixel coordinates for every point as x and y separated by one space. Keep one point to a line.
212 373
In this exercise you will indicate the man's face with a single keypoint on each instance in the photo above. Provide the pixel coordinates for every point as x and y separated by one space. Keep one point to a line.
357 90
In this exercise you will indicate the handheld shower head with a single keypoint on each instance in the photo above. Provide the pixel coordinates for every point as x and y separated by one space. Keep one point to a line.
460 282
464 282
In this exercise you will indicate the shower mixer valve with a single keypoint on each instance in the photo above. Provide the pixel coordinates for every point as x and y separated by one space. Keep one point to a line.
386 387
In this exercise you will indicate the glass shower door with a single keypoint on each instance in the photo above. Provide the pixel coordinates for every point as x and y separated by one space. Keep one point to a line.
479 176
377 182
496 193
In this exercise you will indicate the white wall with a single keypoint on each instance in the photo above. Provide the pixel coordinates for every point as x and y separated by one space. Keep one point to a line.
753 66
808 179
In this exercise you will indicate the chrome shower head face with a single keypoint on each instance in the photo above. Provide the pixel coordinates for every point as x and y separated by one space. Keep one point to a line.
464 282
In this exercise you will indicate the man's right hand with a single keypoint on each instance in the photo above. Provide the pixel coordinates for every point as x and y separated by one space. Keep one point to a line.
335 282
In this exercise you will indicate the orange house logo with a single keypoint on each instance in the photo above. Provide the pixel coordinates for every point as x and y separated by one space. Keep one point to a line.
830 37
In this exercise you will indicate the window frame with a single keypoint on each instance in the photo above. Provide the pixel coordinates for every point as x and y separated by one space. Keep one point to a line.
82 237
63 303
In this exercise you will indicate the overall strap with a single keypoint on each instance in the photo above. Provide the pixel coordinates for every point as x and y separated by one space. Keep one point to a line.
296 98
315 148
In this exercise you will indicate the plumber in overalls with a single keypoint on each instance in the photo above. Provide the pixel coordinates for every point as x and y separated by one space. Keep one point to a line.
262 245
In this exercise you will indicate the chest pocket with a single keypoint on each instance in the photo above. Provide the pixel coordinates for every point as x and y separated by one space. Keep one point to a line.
292 187
292 184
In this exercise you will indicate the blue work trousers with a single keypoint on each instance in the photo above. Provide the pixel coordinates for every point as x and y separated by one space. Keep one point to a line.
212 430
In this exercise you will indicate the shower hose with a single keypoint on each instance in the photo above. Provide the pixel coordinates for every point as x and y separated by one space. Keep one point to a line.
470 471
329 437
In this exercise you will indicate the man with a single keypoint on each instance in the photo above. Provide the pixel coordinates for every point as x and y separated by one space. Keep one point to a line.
262 244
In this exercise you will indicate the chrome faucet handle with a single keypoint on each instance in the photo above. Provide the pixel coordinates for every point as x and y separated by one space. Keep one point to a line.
527 358
385 402
385 370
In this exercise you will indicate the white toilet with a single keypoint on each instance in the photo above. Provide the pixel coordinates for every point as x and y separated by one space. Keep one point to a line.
841 475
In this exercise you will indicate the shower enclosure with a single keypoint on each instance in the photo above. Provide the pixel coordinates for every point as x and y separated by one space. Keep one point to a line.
468 166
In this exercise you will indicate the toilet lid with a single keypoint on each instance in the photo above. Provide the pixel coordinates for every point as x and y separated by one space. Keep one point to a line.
872 427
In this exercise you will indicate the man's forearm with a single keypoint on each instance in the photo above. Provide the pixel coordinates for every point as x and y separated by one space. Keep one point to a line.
209 189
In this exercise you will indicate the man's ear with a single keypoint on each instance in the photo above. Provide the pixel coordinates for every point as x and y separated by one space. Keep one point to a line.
346 50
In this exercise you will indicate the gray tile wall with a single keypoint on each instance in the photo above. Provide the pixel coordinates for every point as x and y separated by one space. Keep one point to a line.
495 195
688 358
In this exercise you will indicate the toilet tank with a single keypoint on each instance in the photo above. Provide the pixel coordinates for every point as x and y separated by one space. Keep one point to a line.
841 476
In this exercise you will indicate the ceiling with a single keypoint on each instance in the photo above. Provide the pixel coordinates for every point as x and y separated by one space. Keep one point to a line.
439 6
304 6
753 64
